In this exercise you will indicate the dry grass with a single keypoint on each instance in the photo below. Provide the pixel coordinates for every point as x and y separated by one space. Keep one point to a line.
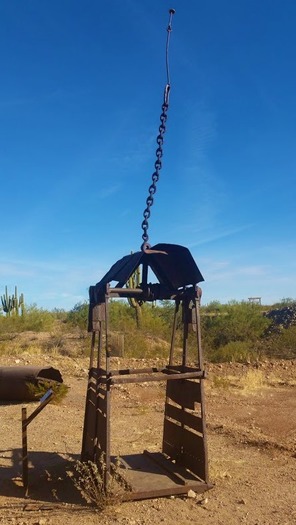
276 381
252 381
88 479
223 382
220 469
16 349
44 343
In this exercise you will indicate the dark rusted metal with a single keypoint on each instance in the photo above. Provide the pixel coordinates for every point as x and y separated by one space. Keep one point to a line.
89 429
157 377
167 466
172 347
153 475
25 462
47 398
15 381
172 264
182 462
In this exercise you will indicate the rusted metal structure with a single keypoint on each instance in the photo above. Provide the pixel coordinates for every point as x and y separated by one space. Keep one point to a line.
15 381
182 462
47 398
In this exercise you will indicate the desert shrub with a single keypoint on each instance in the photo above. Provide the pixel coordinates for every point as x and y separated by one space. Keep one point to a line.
78 316
165 310
214 307
155 322
148 341
37 319
122 316
88 478
139 346
69 344
5 348
251 381
286 301
221 382
34 319
234 351
40 388
281 345
235 322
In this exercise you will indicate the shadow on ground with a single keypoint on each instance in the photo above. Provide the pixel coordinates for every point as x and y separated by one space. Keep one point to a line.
48 479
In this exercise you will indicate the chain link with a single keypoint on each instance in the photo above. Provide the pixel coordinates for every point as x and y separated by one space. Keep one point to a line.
157 166
159 151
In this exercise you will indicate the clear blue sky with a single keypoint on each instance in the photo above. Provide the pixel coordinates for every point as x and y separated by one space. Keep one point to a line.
80 95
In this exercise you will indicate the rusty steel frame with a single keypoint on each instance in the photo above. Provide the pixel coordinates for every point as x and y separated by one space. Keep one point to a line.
183 458
47 398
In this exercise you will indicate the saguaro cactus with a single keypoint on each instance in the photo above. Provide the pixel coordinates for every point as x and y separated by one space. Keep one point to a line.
7 302
21 303
133 282
11 303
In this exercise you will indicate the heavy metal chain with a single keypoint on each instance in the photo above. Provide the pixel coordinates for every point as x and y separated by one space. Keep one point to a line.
159 151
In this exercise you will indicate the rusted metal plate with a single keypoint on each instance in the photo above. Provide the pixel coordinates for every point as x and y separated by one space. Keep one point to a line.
192 463
177 268
97 316
184 418
181 439
89 430
172 264
184 392
176 490
186 447
95 415
101 434
154 475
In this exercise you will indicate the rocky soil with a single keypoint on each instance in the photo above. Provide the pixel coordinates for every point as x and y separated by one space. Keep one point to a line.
251 415
282 318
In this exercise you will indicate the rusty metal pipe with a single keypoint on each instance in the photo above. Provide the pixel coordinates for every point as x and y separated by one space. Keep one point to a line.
15 381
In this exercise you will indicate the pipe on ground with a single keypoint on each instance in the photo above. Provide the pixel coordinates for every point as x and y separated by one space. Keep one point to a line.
15 381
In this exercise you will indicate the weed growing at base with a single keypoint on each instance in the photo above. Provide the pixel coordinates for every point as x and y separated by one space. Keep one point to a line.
88 479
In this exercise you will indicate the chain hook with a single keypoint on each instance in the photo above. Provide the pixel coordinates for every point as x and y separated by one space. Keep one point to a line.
160 138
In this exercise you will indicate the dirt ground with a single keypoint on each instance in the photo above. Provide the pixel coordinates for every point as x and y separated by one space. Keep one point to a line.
251 420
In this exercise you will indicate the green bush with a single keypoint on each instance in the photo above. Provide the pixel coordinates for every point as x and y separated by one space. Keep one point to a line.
232 332
234 351
234 322
281 345
286 301
78 316
34 319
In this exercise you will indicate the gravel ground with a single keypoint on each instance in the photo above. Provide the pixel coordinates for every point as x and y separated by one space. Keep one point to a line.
251 415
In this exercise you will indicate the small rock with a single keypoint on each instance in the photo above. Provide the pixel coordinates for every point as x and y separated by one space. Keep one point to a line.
203 501
191 494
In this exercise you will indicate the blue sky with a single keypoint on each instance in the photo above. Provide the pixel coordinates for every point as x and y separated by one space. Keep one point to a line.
80 95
